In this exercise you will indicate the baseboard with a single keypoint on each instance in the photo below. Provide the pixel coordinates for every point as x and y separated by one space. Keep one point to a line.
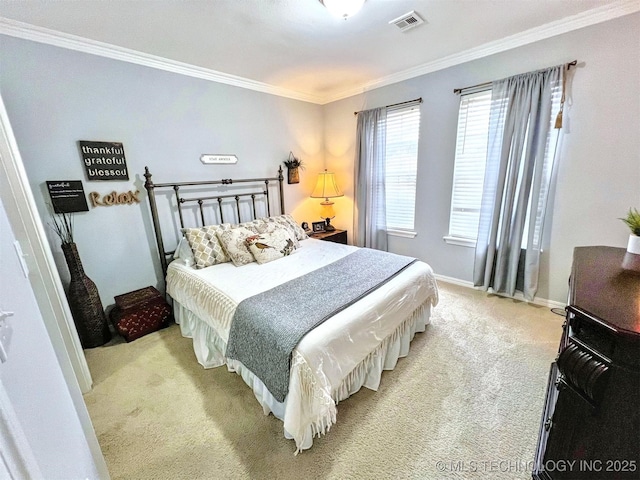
518 296
454 281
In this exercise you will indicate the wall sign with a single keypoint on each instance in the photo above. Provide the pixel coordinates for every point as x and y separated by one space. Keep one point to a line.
114 198
218 159
67 196
104 160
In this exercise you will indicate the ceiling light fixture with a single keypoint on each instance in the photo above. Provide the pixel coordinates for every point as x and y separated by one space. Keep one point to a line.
343 8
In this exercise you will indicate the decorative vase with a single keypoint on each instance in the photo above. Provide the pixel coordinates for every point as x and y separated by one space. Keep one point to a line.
634 244
84 301
292 175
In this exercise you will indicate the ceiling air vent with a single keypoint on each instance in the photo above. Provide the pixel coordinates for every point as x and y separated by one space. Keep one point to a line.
407 21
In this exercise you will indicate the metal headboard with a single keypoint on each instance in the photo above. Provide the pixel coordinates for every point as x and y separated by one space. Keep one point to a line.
182 201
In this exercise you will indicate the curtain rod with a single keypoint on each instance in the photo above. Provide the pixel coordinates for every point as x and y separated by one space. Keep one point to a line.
419 100
486 84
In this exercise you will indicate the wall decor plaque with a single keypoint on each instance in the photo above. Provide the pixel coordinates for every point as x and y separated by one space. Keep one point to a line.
114 198
67 196
104 160
208 159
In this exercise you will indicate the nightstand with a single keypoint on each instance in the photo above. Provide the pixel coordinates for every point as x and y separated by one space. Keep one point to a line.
337 236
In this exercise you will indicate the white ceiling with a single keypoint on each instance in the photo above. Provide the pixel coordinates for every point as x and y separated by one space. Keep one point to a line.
296 46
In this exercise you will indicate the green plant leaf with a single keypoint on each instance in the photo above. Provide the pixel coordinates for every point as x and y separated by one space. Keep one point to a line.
293 162
633 221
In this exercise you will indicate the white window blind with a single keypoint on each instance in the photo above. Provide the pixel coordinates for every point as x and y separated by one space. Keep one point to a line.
403 131
470 160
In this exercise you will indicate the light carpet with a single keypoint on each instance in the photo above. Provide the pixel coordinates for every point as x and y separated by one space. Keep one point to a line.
465 404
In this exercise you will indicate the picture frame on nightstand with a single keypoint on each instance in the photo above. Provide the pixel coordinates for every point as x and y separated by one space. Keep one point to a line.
318 226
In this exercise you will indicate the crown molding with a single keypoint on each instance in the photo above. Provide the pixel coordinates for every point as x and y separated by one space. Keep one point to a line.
552 29
594 16
34 33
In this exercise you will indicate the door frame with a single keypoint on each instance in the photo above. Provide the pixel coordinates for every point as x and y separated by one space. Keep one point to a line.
28 229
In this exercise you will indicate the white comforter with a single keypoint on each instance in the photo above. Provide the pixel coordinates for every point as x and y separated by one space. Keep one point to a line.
324 359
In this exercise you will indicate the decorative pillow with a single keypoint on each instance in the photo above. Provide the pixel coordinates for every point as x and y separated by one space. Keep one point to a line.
233 242
205 245
184 254
259 226
281 222
299 231
271 246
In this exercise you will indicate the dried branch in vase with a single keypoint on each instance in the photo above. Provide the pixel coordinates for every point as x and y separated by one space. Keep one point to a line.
63 226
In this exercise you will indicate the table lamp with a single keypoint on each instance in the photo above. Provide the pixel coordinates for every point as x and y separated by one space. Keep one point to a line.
327 188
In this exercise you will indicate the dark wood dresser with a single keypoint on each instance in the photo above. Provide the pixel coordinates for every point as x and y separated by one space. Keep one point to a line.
590 427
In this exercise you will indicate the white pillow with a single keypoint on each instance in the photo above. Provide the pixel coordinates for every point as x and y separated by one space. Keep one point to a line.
234 243
184 253
299 231
258 226
281 222
268 247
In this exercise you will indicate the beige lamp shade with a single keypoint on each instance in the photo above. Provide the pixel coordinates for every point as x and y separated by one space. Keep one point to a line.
326 187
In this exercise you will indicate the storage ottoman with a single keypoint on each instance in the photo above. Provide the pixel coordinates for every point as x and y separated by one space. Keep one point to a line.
140 312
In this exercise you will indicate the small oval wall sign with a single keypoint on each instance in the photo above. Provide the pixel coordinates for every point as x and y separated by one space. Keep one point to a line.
218 159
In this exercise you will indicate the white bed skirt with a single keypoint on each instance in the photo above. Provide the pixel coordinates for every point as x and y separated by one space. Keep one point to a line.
305 414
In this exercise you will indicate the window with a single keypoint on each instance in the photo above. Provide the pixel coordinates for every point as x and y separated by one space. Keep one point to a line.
549 155
470 159
403 131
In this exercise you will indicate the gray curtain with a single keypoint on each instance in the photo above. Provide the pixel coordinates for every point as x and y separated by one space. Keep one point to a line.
370 222
517 180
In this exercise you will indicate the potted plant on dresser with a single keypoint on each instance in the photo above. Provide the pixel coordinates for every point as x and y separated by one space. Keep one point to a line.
633 222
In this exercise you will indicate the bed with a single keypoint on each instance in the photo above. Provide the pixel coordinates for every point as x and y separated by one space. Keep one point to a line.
347 351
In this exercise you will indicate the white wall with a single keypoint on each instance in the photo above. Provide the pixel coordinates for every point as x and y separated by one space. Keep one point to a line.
55 97
599 171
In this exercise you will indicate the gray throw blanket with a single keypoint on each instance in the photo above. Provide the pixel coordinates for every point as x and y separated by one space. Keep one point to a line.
267 327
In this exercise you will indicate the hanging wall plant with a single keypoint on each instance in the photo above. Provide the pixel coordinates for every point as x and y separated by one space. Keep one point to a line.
293 165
